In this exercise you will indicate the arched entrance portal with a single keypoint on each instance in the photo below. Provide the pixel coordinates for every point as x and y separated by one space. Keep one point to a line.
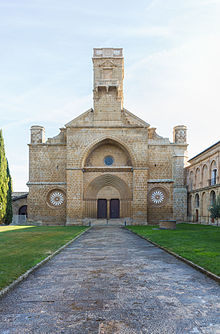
107 180
107 197
108 203
108 209
23 210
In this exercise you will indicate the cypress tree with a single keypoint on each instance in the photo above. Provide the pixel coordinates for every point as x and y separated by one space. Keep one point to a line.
4 181
9 213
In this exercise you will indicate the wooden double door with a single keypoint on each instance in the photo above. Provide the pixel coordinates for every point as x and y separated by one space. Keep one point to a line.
108 209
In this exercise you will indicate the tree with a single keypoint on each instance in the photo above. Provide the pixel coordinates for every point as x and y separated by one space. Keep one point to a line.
3 180
5 186
215 209
9 213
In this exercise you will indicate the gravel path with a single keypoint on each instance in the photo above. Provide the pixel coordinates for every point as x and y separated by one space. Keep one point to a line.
110 281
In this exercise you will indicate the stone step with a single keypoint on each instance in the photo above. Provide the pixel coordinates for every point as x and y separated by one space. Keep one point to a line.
110 222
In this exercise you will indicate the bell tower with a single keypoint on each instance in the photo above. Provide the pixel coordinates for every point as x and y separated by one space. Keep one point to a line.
108 67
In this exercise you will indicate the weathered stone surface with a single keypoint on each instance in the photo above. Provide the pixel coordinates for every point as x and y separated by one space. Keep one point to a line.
203 180
112 281
73 162
168 224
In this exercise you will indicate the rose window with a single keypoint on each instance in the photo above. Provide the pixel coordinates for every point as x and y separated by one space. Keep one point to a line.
108 160
56 198
157 197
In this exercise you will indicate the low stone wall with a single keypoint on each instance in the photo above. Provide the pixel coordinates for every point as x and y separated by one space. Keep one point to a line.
19 220
168 224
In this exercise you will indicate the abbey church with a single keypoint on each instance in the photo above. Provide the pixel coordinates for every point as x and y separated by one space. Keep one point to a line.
107 163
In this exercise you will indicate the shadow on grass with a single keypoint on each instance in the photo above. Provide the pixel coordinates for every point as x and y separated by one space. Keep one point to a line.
23 247
14 228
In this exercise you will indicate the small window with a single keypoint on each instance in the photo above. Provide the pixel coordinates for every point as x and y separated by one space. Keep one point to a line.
98 52
197 201
214 177
108 160
212 198
117 52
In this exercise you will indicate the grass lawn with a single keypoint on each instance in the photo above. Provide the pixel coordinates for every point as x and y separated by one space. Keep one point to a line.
24 246
197 243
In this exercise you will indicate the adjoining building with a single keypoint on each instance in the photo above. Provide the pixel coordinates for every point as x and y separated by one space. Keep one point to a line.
107 163
19 207
203 182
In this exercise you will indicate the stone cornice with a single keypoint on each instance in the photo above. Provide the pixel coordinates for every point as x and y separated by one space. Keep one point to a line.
47 144
214 186
45 183
160 181
108 126
103 169
108 169
140 168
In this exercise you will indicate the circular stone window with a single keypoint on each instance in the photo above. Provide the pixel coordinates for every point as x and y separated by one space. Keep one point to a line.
56 198
108 160
157 196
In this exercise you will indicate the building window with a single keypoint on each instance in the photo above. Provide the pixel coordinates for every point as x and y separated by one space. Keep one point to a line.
197 178
204 176
212 197
108 160
191 176
197 201
56 198
214 177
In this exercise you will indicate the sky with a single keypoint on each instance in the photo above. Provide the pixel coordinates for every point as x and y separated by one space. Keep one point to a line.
172 66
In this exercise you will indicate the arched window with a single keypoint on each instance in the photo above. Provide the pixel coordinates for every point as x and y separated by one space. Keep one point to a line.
197 180
213 173
204 205
214 177
197 215
197 201
190 205
212 197
23 210
191 180
205 176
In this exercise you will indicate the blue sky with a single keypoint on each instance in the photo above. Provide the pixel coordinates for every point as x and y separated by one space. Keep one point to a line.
172 71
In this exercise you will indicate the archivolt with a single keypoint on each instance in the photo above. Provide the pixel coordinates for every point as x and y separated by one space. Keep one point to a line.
109 140
107 180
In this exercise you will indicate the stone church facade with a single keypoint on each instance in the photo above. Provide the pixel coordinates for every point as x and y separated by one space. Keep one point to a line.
107 163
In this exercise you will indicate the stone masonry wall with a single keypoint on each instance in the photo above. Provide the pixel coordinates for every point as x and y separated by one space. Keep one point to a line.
40 208
68 170
47 163
17 204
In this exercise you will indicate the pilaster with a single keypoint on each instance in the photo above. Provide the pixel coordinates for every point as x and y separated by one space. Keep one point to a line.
74 197
140 177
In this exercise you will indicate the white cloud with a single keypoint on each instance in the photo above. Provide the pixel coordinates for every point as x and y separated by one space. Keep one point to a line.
180 85
151 4
172 71
209 2
146 31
